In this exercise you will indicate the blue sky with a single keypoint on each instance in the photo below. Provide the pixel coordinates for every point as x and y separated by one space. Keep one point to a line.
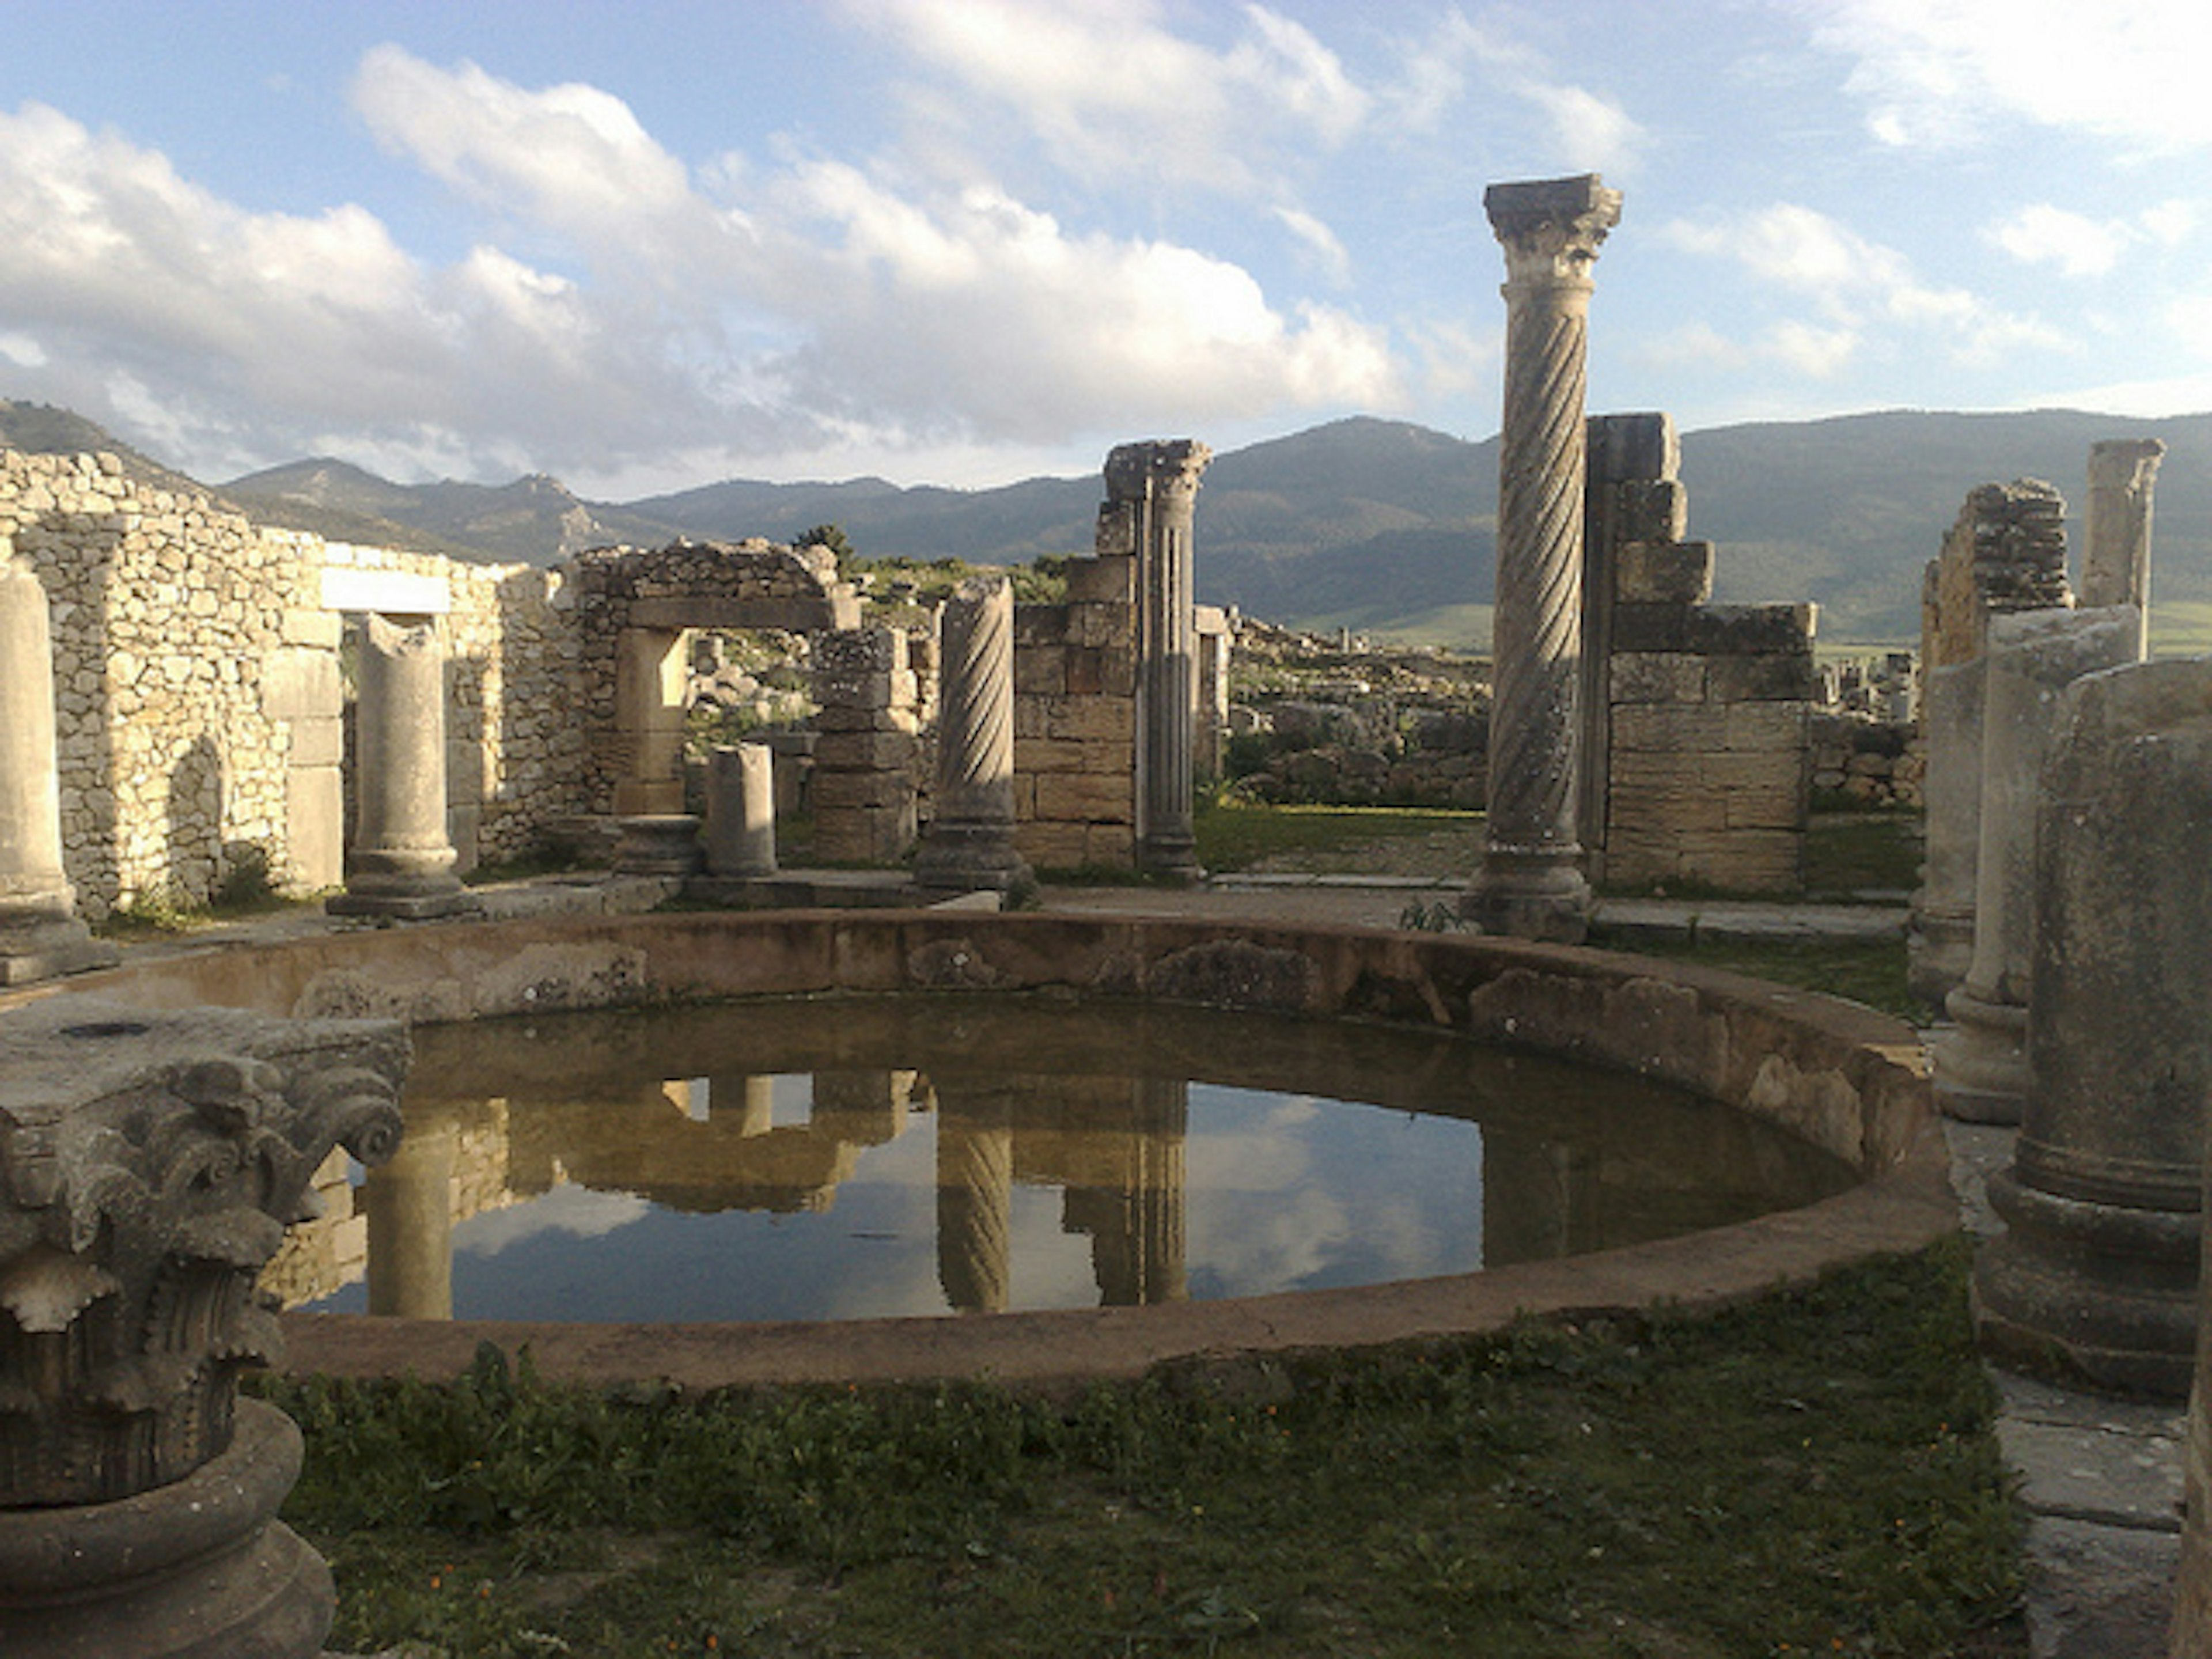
646 245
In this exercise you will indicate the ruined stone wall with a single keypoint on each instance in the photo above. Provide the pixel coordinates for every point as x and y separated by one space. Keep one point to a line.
515 742
628 603
200 694
1695 763
1867 762
167 613
1075 721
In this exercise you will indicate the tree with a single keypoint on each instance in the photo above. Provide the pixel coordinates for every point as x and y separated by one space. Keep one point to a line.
830 537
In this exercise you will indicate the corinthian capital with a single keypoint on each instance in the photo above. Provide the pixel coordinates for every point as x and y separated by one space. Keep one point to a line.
1551 228
1163 467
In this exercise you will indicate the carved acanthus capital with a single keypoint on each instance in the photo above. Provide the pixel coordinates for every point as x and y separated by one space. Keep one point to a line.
1148 471
1551 228
148 1165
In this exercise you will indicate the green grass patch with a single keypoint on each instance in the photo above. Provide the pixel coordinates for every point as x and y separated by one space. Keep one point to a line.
1235 834
1871 971
1847 854
1813 1472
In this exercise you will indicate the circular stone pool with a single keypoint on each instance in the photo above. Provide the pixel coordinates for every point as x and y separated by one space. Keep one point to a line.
928 1153
1842 1088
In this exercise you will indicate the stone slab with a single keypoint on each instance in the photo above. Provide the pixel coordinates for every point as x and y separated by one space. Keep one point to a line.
387 593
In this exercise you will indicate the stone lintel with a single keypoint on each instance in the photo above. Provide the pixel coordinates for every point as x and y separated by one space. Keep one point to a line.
800 614
385 592
2124 463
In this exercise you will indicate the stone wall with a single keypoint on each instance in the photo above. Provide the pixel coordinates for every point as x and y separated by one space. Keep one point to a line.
200 694
1866 763
1075 720
1695 757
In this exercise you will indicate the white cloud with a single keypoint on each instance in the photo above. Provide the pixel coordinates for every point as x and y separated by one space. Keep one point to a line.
1694 345
1460 58
2078 246
1321 245
616 308
1109 90
22 350
1939 72
1855 285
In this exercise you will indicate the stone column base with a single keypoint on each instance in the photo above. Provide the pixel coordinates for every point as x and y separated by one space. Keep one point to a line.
1939 953
660 844
969 858
199 1568
1981 1067
1170 857
2109 1289
1533 896
49 949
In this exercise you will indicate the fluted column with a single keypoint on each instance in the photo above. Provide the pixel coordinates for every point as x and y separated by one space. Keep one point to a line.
39 934
969 847
2116 570
1157 485
1531 883
402 861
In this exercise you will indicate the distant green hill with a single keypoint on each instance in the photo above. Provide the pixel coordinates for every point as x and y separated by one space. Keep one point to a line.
1380 526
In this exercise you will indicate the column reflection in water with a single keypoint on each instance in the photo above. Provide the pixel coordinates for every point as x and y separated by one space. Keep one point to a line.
1133 1206
410 1203
975 1193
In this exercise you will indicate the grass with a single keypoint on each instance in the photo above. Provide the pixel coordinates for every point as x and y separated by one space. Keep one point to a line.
1846 854
1813 1472
1236 835
1868 971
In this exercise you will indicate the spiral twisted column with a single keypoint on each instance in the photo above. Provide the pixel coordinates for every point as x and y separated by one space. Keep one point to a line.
974 1195
969 847
1159 481
1531 883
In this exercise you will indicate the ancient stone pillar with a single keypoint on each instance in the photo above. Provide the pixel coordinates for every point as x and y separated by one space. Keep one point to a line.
39 934
154 1162
401 861
1941 947
975 1194
1531 883
2116 570
1981 1067
2192 1590
2100 1258
2005 552
867 748
969 846
1152 497
741 810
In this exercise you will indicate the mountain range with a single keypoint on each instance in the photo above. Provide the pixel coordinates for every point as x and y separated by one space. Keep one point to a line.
1380 526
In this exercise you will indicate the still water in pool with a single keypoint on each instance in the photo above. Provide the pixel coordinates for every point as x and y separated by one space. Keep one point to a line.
860 1157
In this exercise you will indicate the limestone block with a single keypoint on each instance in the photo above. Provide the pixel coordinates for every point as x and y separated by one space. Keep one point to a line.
865 752
1049 755
1670 728
1040 670
1772 727
1651 510
1714 630
1638 444
1039 624
1658 676
318 742
1101 625
1111 579
837 792
1645 806
1109 846
1749 861
1049 845
1663 573
1102 720
1764 676
1085 795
